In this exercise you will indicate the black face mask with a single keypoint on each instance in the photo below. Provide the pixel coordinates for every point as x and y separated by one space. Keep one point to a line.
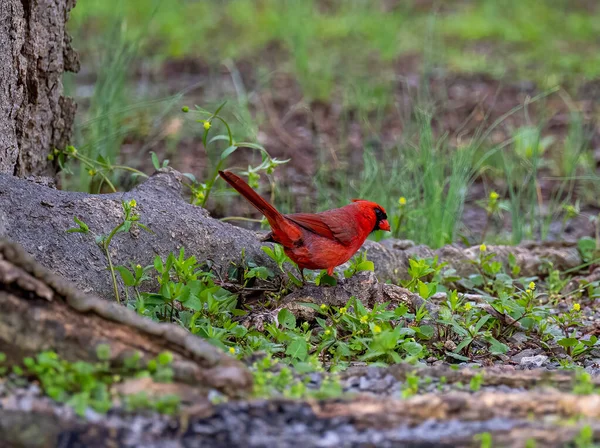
380 216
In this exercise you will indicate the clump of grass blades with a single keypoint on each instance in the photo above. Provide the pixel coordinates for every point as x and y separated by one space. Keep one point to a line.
102 135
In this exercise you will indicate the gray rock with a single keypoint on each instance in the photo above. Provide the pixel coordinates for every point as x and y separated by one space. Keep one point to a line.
534 361
518 338
329 439
525 354
364 383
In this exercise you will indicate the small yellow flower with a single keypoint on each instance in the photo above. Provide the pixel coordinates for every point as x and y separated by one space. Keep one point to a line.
232 350
207 125
468 306
528 291
364 319
139 266
343 310
482 248
327 332
376 329
133 203
532 286
402 200
576 306
494 195
323 307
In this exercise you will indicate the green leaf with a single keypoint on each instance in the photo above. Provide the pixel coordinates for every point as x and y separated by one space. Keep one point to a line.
497 347
146 228
286 319
228 152
158 264
298 349
400 310
303 367
103 352
253 146
314 306
219 108
463 344
404 331
83 227
165 358
423 290
259 272
126 275
366 266
476 279
218 137
184 294
190 176
568 342
155 161
295 280
425 331
165 291
81 224
586 247
457 356
358 306
460 330
325 279
194 303
481 322
125 227
412 348
239 331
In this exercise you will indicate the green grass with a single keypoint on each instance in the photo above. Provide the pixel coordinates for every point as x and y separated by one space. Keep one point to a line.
433 178
548 41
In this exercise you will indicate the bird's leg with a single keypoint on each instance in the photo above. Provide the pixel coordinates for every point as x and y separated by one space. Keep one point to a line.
302 276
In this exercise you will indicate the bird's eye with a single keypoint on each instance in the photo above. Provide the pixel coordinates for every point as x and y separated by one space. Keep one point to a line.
379 214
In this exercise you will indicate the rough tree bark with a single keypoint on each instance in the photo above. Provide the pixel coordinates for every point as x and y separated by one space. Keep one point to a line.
35 117
41 311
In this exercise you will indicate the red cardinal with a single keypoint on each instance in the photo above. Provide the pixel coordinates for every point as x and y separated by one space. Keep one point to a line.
317 240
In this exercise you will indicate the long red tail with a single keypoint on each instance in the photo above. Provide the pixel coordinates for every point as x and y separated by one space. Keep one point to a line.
253 197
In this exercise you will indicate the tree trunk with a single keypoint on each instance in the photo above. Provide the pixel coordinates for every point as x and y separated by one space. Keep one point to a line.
35 117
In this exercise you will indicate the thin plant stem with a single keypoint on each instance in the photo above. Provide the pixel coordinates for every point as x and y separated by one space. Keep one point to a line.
105 246
112 274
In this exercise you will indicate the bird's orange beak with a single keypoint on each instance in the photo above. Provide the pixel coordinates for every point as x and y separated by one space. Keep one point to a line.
384 225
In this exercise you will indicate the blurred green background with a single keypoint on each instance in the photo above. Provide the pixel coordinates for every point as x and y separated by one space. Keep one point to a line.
436 102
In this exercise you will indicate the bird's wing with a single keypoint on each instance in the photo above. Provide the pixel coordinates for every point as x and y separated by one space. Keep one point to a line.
330 224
